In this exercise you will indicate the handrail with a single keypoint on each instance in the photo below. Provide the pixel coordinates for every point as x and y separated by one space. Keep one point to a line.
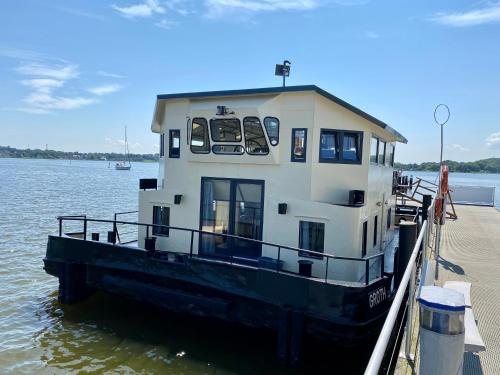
192 231
385 334
380 348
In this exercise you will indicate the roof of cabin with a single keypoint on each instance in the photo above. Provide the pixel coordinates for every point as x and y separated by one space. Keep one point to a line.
278 90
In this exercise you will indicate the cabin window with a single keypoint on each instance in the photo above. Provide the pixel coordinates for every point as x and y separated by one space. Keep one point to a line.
390 158
225 130
200 142
272 125
389 213
375 230
299 145
228 149
381 152
374 150
174 144
255 140
311 237
351 147
162 145
161 216
364 239
329 146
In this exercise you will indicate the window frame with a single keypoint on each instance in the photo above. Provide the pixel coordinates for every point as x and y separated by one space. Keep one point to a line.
340 144
303 254
161 232
382 162
171 147
376 156
228 145
231 141
263 134
162 145
208 148
293 157
267 132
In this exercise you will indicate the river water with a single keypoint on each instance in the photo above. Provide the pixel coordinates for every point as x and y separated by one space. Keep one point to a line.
108 334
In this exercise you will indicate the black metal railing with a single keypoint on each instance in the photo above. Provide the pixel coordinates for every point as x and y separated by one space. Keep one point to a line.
313 254
119 236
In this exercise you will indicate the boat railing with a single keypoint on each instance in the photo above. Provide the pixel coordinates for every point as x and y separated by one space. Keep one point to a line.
408 282
121 236
313 255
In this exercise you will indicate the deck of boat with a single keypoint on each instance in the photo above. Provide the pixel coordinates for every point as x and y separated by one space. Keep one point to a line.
470 251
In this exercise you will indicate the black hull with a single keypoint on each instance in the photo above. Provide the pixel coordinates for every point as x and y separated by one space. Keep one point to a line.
288 303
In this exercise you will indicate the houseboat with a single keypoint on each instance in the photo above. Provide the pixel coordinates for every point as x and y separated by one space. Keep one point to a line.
273 208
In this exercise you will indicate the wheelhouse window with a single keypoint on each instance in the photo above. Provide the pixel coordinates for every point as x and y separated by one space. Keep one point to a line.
255 140
161 216
374 150
174 144
272 125
390 157
200 142
299 145
381 152
225 130
311 237
364 239
162 145
329 146
340 146
228 149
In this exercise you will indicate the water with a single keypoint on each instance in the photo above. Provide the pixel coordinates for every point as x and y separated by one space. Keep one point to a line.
466 179
108 334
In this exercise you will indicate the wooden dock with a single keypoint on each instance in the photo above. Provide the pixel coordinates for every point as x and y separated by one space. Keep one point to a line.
470 251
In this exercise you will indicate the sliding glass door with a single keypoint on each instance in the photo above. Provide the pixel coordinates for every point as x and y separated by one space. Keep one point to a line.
235 207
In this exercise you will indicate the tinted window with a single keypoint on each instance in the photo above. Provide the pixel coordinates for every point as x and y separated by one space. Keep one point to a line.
364 239
174 144
374 150
329 145
225 130
299 145
228 149
311 237
375 230
200 144
351 147
161 216
272 125
255 140
162 145
381 152
391 155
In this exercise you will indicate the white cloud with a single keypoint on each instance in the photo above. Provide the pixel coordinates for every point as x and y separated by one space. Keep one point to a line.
109 75
458 147
82 13
43 84
372 35
105 89
121 143
165 24
145 9
60 72
493 140
47 101
216 8
471 18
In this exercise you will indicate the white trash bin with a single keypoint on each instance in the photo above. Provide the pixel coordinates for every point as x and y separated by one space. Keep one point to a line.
442 331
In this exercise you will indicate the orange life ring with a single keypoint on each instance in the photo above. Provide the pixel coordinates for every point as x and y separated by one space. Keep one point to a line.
444 180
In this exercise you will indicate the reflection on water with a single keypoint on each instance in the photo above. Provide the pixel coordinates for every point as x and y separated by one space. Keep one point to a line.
108 334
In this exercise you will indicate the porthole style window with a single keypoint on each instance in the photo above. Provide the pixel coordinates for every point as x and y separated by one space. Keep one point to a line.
272 125
255 140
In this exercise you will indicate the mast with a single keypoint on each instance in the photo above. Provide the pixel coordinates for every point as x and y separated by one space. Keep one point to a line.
126 146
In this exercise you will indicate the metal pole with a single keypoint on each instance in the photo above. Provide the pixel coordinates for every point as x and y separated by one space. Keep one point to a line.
409 315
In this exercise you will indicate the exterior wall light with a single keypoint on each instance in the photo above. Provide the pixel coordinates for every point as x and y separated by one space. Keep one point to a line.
282 208
177 198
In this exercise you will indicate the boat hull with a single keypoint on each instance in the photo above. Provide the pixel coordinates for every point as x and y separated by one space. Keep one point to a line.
246 295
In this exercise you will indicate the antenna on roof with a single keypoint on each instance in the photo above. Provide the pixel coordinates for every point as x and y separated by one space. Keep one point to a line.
283 70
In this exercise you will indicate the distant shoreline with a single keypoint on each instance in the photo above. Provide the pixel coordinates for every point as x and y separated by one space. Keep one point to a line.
491 165
14 153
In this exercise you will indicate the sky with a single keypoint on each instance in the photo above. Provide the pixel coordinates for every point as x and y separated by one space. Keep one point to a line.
74 73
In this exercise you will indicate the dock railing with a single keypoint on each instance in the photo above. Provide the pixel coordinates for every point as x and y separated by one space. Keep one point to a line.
232 258
408 281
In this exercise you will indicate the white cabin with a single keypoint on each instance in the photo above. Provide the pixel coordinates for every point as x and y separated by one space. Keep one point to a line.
277 165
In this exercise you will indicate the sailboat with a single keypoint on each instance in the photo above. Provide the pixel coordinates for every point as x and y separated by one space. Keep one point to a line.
122 165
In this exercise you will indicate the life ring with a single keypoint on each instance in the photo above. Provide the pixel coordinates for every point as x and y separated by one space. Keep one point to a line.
444 180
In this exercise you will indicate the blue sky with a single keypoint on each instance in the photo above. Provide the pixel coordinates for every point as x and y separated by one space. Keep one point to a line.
72 74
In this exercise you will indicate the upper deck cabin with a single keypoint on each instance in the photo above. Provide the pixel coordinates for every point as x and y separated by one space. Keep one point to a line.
273 164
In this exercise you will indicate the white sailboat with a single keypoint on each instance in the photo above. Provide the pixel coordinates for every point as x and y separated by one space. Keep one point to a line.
124 165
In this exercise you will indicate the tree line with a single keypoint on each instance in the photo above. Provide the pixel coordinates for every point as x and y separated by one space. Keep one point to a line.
11 152
491 165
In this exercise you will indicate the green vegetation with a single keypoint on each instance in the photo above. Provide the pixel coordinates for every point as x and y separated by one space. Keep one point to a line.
10 152
491 165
